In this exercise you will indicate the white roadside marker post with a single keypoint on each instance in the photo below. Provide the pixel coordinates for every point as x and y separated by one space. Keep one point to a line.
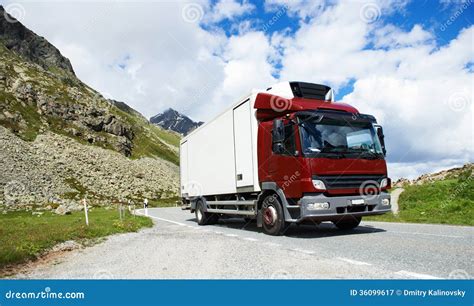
145 205
85 211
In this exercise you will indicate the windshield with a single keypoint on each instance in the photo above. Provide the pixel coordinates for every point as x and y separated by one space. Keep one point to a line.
339 137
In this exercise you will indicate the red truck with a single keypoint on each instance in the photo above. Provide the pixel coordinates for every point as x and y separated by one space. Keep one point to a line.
287 154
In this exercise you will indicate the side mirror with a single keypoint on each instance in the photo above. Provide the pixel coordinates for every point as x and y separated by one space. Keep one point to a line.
278 132
278 135
380 135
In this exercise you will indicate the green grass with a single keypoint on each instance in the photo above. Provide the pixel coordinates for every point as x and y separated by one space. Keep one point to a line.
24 236
449 201
167 136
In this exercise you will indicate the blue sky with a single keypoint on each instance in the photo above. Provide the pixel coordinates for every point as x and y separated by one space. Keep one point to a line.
407 62
432 15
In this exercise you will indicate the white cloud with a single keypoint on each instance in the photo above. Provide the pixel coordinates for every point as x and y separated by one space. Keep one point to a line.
392 37
165 51
229 9
157 54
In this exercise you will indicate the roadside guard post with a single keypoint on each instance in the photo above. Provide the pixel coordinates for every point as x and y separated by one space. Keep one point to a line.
85 211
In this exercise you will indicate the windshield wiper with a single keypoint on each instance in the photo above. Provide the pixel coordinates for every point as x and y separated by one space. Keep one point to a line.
333 151
367 154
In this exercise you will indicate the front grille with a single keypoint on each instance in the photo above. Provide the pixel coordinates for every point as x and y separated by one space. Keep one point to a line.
350 181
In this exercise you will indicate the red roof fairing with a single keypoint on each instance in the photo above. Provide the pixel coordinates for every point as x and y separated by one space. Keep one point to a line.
270 106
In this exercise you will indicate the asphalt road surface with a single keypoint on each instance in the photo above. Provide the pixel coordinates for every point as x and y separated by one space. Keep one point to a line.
176 247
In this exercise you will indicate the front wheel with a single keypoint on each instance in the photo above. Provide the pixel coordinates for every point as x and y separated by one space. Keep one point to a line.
273 218
348 223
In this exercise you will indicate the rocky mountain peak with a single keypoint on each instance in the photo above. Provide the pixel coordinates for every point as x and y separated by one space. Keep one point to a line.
173 120
33 48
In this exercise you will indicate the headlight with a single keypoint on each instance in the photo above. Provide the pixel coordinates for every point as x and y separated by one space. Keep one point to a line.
318 184
383 183
385 202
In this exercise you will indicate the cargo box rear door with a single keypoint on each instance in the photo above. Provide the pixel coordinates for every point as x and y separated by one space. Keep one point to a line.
243 145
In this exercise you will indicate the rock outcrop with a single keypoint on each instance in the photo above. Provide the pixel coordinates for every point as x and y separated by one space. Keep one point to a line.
34 48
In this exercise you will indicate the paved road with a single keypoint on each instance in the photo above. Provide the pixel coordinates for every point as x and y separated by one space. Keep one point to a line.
176 247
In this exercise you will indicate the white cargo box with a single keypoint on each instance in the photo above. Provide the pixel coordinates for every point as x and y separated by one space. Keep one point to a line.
220 157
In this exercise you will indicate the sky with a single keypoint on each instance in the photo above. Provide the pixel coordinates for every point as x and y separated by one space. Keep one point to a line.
409 63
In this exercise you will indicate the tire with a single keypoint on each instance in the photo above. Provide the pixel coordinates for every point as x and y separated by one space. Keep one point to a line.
202 217
347 223
273 220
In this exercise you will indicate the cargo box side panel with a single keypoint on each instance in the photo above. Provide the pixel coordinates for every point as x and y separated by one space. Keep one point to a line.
183 168
243 145
211 158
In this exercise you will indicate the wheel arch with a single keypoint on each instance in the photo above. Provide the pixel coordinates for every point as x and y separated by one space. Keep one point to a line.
194 201
269 188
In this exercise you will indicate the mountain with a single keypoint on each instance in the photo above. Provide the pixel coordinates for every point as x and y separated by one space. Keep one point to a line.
60 139
29 46
175 121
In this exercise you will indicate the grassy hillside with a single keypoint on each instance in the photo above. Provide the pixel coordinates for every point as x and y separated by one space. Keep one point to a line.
446 201
27 90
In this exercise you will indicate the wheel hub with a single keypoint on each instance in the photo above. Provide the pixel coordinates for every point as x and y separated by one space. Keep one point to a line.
199 214
269 215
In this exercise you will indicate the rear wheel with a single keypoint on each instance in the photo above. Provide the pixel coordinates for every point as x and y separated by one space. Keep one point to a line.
203 217
348 223
272 215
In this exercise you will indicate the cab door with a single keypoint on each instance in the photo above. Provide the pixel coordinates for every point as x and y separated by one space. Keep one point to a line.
285 166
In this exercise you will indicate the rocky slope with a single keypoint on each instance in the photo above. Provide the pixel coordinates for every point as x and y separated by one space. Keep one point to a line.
61 139
431 177
175 121
55 169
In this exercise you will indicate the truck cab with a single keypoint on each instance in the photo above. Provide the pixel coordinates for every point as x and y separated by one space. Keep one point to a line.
312 160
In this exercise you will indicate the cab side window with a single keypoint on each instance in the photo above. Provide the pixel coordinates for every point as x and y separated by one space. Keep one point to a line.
288 146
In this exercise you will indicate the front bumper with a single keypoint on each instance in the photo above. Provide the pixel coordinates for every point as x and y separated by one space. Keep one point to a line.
338 207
